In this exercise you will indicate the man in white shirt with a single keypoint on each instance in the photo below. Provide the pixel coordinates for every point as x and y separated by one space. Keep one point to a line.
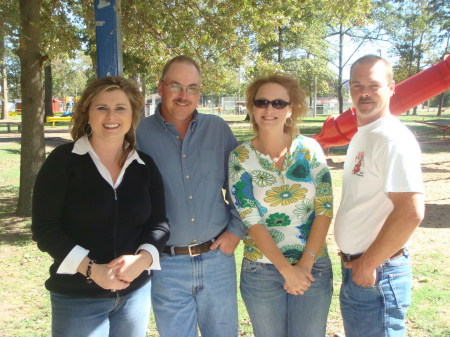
382 204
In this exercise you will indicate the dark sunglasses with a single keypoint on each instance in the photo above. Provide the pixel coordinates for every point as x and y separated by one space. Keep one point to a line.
276 103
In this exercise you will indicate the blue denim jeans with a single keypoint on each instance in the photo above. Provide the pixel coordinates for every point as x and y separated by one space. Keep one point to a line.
101 317
377 311
196 291
274 312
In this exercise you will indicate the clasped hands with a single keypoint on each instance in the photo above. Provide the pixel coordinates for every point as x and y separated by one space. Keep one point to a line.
297 279
120 272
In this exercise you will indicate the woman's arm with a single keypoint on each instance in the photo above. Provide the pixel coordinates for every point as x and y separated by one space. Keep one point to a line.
49 195
297 281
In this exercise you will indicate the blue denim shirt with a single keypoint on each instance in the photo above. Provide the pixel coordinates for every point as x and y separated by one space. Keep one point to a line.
194 172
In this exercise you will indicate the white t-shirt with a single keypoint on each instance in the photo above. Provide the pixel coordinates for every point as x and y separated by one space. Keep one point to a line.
382 157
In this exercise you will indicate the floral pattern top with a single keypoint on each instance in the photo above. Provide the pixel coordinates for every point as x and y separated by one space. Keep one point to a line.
284 201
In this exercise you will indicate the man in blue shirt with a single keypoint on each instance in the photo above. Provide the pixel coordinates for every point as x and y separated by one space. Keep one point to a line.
197 282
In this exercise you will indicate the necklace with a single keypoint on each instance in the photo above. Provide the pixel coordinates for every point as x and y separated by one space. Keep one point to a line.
277 159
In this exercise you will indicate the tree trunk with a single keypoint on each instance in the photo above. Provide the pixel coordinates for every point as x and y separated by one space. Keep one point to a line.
441 103
32 143
4 98
280 45
341 69
48 89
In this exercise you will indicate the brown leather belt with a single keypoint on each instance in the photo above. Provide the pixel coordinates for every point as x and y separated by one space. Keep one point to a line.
350 258
192 250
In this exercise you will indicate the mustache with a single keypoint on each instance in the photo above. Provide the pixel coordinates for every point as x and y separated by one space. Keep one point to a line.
365 100
182 101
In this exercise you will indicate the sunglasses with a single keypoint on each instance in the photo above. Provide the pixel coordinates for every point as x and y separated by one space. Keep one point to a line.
276 103
177 88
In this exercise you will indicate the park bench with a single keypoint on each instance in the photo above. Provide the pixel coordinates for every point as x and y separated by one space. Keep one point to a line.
54 119
8 124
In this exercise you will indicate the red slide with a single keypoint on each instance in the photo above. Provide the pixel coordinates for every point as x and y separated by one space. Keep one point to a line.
338 130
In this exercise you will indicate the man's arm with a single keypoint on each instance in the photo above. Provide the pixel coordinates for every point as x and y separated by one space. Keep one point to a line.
408 212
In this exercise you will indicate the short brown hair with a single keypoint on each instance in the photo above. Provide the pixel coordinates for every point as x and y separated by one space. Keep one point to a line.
296 94
80 118
372 59
179 59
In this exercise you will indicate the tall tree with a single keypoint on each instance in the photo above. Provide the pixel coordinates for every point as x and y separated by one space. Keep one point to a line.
32 144
8 21
346 24
4 81
412 27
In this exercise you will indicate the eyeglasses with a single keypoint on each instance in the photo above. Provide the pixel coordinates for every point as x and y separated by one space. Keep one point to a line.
276 104
177 88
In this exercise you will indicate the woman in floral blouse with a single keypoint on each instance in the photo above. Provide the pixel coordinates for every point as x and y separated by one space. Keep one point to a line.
281 186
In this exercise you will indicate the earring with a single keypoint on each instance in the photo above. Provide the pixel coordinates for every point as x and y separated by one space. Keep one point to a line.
290 123
88 130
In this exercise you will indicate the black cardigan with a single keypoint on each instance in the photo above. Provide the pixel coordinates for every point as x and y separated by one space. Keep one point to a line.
74 205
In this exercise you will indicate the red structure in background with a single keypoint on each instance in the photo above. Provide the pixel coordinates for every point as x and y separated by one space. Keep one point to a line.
339 130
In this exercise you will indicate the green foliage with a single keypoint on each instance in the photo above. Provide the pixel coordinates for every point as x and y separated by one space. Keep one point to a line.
70 76
416 29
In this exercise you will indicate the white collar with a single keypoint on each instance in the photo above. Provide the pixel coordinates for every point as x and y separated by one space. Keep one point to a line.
83 146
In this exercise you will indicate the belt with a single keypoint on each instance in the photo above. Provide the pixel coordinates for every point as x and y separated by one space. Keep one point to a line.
192 250
350 258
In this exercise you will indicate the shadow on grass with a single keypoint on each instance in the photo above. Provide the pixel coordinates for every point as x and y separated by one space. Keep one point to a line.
336 166
56 141
14 230
435 215
12 151
10 140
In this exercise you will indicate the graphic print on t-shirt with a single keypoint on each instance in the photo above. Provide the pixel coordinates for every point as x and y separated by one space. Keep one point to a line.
359 164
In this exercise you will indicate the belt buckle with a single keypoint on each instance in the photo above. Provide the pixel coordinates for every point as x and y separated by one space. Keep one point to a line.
190 251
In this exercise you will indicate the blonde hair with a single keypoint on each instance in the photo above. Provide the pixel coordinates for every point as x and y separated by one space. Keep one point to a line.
80 118
297 99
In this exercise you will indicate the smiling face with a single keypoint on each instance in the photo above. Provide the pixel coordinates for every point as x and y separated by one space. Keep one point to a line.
179 107
110 115
270 118
371 91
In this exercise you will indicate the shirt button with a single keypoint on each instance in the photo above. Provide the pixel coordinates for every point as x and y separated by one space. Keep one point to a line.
177 137
190 197
187 177
184 156
193 219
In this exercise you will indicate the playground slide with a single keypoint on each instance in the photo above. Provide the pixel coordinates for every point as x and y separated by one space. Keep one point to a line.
338 130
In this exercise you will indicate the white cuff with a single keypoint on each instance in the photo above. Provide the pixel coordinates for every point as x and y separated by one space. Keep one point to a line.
154 253
72 261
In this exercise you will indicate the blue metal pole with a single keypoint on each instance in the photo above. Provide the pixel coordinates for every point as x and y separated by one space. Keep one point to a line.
108 38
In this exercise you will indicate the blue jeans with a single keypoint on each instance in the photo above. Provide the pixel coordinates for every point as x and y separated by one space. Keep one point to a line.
377 311
101 317
200 290
274 312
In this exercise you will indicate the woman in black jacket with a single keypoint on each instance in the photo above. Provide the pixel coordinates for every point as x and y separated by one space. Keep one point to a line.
98 210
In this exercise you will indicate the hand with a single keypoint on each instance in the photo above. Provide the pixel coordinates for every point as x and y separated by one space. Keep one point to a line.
105 277
298 279
362 276
128 267
227 242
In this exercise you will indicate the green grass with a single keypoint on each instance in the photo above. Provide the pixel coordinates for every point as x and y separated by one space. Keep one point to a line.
25 308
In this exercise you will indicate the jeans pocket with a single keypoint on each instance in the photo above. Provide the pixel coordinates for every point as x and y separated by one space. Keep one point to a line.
249 266
322 264
400 285
375 286
223 253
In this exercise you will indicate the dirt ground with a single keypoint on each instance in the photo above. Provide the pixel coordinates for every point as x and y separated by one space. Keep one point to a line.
433 234
436 171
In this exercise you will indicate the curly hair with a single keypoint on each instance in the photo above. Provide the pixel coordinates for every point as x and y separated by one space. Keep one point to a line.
80 118
296 94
